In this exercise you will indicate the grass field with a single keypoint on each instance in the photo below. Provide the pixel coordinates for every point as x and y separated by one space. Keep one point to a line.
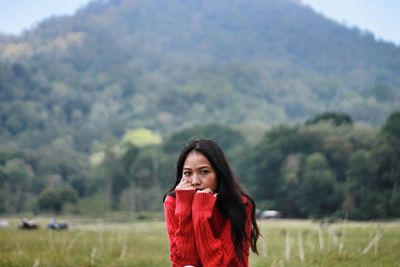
285 243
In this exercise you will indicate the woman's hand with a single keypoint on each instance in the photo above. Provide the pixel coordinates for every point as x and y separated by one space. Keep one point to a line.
184 185
206 190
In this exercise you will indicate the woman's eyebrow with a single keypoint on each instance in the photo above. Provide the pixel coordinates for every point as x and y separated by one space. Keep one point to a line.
203 166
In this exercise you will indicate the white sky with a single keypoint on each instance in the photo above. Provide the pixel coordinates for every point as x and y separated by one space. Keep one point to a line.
381 17
19 15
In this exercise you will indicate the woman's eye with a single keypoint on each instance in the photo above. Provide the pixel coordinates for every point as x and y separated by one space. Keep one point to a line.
186 173
204 172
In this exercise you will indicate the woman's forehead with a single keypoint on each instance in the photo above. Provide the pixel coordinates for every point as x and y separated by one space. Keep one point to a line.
195 159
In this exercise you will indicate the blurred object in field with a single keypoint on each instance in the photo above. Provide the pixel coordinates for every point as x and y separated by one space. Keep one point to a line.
268 214
4 223
54 225
28 224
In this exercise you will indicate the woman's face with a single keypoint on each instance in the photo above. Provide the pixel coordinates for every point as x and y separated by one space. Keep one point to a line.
198 171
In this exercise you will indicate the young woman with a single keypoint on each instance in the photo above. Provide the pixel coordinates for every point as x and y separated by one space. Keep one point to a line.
210 220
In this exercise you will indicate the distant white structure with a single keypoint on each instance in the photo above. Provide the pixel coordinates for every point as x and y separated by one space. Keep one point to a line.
268 214
4 223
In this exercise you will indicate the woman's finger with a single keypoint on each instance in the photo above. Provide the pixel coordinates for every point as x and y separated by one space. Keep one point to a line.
184 185
206 190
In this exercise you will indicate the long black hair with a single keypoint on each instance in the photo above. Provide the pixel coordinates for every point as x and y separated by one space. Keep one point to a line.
229 200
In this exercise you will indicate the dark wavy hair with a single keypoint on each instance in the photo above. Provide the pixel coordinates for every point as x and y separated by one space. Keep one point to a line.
229 200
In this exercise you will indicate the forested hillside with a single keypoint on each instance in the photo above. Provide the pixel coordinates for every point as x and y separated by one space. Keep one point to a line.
77 91
166 64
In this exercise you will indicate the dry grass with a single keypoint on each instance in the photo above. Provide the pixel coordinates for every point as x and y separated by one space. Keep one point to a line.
303 243
285 243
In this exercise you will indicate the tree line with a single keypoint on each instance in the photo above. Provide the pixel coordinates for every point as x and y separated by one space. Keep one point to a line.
327 166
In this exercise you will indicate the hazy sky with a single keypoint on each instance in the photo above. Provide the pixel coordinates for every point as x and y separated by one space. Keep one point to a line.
381 17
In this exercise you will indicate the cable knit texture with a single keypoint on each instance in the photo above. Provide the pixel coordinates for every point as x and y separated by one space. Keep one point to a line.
199 235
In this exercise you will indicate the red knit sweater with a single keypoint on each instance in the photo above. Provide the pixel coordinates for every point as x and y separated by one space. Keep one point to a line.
198 234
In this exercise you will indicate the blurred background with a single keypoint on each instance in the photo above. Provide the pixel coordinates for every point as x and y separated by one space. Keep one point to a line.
97 98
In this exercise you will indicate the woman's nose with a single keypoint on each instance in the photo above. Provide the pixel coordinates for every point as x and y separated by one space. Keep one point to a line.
195 180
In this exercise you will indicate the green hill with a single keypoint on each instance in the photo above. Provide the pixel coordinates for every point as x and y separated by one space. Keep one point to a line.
169 64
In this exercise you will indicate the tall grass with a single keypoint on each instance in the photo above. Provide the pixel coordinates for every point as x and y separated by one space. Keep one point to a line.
284 243
99 244
340 244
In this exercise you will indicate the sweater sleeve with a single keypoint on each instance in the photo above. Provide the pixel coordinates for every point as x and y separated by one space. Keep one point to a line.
178 217
212 251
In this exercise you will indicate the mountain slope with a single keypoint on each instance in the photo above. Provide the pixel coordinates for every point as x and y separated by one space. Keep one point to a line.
168 64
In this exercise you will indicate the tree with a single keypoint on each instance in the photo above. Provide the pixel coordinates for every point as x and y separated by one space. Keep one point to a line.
141 137
382 92
262 163
290 175
336 118
53 199
227 138
17 179
317 196
67 194
337 150
392 125
114 176
386 158
49 200
60 157
359 182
